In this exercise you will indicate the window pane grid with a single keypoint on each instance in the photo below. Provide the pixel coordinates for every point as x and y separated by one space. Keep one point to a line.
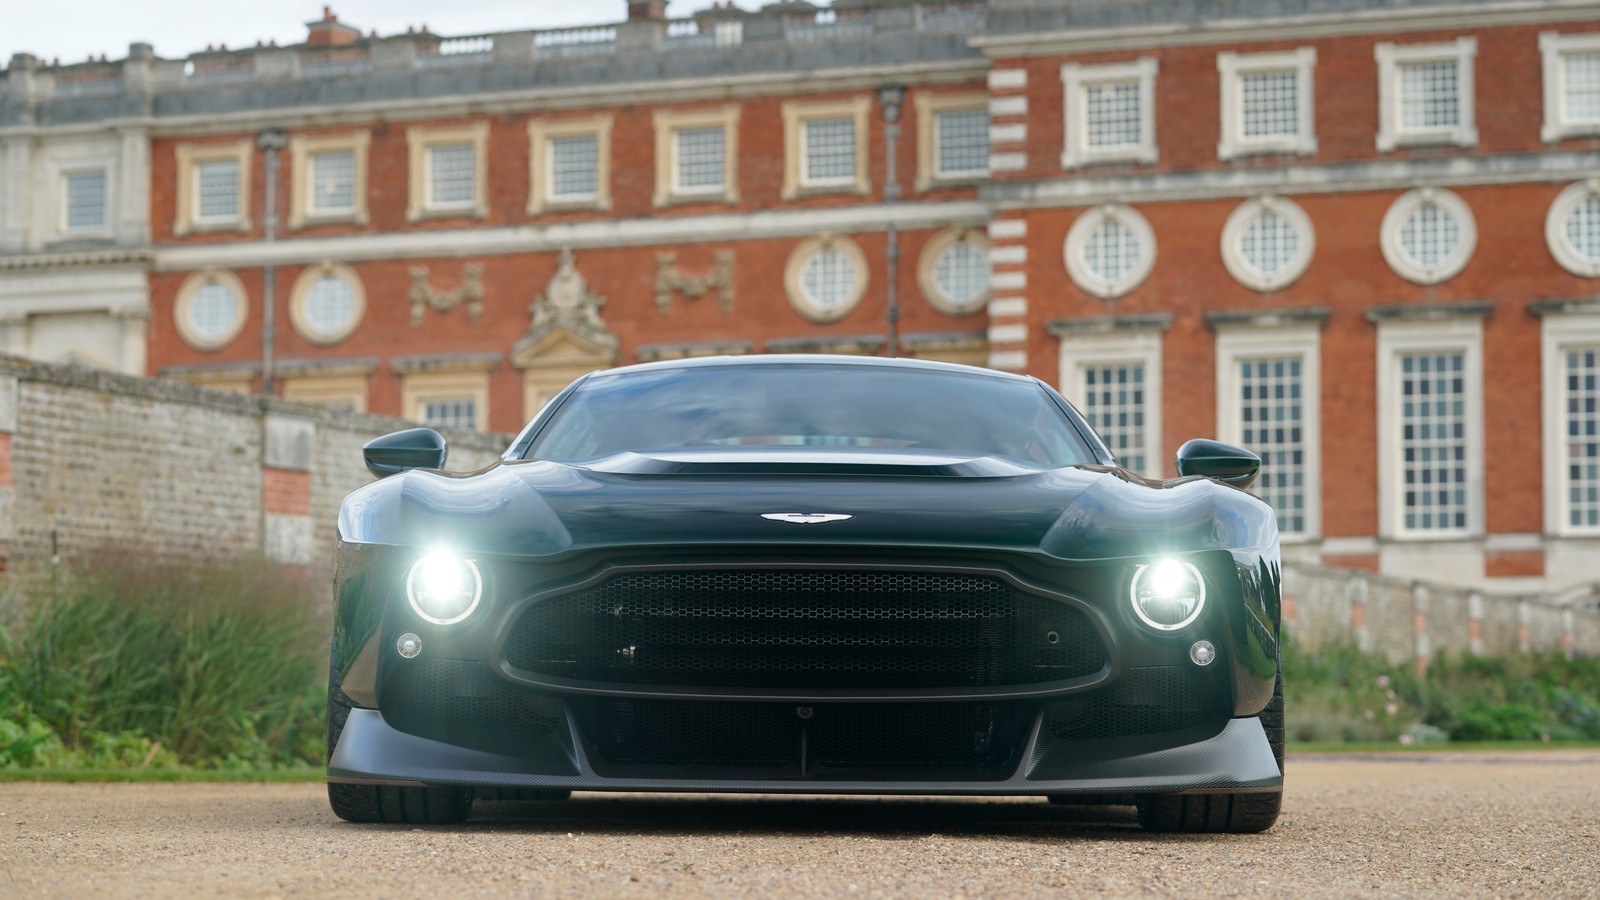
1272 423
1114 404
1583 437
451 412
214 311
452 175
1112 251
86 200
1430 235
1581 86
701 153
333 181
830 150
828 279
962 273
574 166
217 196
1583 229
1433 440
1111 114
1270 102
330 305
1429 96
963 141
1269 243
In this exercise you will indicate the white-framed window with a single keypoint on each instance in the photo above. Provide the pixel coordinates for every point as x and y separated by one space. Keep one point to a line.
1269 401
828 151
1114 379
213 187
826 277
448 399
1110 113
1430 428
825 147
1267 243
86 200
953 271
1570 354
570 164
1267 103
1572 228
1571 85
329 177
448 176
1109 251
451 412
952 138
1426 94
697 153
210 309
1428 235
327 303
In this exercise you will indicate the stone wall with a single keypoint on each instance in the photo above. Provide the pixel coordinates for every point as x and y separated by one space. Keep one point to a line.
91 460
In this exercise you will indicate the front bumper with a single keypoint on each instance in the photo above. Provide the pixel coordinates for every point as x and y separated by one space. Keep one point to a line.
1236 759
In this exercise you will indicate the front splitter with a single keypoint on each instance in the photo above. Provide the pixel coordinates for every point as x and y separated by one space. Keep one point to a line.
1238 760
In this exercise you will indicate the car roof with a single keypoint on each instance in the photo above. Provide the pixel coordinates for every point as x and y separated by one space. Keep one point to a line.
815 359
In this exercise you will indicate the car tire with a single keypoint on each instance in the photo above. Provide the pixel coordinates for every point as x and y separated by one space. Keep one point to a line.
1223 813
375 803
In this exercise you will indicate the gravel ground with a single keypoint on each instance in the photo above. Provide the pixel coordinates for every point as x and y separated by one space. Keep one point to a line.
1516 825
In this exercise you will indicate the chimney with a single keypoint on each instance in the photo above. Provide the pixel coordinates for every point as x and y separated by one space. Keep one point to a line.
647 10
328 31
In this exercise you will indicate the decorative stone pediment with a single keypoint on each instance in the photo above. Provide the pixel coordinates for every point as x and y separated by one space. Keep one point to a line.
568 306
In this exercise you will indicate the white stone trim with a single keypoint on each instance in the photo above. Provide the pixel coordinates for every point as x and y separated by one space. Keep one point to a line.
299 297
928 107
1555 228
1559 332
1078 239
927 270
541 174
1008 229
668 123
1395 219
1552 47
1007 162
1008 281
301 150
793 277
1011 133
63 171
1231 67
1012 254
1012 333
797 181
1075 78
420 141
1008 106
1463 334
1008 79
1008 307
186 218
1008 360
1119 347
1390 57
1237 343
183 304
1239 221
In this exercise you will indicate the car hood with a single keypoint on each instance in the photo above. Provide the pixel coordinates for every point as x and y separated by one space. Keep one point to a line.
721 497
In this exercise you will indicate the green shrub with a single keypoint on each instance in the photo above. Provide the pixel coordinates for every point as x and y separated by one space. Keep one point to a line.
141 663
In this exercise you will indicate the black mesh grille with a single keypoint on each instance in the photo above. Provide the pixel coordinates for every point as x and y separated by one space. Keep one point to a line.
825 736
1143 701
774 628
442 697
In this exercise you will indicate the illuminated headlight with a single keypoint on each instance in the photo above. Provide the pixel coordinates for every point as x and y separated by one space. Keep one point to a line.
444 588
1168 595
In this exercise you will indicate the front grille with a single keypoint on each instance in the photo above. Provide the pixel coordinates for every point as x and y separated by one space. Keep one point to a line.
446 697
807 738
1145 700
805 629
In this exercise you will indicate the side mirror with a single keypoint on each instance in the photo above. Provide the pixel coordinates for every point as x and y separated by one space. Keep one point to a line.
1223 462
414 448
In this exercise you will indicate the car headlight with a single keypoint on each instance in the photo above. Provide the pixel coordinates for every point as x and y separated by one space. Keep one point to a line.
444 588
1168 595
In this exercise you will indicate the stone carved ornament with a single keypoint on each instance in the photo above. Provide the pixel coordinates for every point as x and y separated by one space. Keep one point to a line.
568 305
424 295
670 280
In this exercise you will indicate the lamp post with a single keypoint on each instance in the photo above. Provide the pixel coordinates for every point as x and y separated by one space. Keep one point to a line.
890 99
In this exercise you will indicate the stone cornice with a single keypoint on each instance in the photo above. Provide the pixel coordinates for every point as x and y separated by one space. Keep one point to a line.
448 362
1560 306
1085 325
1267 318
77 258
1429 312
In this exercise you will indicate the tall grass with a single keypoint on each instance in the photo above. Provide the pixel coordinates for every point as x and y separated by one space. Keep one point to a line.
210 664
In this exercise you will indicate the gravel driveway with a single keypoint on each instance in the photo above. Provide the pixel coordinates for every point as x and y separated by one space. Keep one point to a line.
1509 825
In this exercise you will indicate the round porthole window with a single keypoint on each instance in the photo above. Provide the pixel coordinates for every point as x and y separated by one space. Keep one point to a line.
1267 243
1572 229
1110 251
327 303
1428 235
826 278
210 309
954 271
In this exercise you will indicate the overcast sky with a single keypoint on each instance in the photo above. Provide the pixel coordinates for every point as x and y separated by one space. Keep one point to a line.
74 29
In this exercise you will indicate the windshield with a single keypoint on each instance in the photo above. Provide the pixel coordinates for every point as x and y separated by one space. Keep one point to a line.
810 405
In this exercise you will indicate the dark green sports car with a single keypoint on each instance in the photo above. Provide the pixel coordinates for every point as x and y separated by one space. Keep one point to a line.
808 575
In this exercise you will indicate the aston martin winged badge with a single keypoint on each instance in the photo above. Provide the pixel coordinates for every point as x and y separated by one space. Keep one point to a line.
806 518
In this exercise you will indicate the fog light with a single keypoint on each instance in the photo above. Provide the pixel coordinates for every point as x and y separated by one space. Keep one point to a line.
408 646
1201 653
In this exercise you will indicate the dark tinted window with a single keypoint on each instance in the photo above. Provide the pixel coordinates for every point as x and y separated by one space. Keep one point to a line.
810 406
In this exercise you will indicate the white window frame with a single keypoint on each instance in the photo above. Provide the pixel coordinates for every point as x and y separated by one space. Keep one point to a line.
1119 346
796 179
541 163
1552 47
1231 66
1239 222
302 150
1555 228
187 218
1075 78
928 107
1395 219
1240 343
794 277
1390 57
300 297
420 143
667 125
1073 251
64 175
417 390
1462 334
1558 333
